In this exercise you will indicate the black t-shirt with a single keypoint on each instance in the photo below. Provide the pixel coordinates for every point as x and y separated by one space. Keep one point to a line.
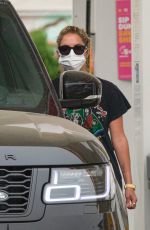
113 102
97 119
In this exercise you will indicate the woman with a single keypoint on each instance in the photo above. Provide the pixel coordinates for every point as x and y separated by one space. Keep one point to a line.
73 44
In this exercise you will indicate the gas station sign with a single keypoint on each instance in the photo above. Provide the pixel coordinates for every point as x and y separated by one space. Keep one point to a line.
124 49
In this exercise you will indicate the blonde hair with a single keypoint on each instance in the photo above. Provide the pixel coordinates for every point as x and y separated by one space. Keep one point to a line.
83 35
75 30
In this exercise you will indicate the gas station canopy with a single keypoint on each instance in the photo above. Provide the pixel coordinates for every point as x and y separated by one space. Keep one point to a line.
42 5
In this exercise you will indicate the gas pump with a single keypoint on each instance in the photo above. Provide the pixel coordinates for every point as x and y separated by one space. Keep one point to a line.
83 16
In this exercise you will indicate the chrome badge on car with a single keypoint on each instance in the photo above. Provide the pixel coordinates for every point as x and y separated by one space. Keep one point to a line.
3 196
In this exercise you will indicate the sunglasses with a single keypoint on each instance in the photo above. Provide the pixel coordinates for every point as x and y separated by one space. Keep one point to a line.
78 49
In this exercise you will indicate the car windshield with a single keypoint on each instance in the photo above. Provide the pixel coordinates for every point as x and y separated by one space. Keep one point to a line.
22 83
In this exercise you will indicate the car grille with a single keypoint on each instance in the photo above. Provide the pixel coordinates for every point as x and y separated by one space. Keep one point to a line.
15 183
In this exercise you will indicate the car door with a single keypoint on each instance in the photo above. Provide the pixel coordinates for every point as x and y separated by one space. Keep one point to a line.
24 81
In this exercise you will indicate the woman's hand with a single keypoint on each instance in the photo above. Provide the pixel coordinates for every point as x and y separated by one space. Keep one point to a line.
120 144
131 198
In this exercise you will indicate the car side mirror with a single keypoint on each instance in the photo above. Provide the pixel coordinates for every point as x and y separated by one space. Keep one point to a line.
79 89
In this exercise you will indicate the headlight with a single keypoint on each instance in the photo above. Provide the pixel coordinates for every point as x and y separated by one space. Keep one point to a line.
79 184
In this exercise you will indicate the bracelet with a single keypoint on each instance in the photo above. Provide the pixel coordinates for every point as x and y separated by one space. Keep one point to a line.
132 186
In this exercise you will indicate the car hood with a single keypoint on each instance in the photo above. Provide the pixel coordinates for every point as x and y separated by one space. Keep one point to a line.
53 140
31 129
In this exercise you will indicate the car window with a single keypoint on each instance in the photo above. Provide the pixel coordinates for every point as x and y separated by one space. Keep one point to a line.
22 82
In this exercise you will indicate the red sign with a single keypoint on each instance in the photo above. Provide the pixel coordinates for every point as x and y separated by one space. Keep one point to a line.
123 14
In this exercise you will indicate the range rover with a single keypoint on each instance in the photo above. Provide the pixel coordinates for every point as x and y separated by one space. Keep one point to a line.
54 174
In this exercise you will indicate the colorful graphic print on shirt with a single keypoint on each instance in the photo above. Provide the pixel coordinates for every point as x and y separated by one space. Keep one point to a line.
89 118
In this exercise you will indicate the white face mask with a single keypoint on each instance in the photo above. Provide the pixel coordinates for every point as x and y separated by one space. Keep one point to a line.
72 61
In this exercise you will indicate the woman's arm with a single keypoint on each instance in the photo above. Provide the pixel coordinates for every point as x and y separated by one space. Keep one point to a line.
120 144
